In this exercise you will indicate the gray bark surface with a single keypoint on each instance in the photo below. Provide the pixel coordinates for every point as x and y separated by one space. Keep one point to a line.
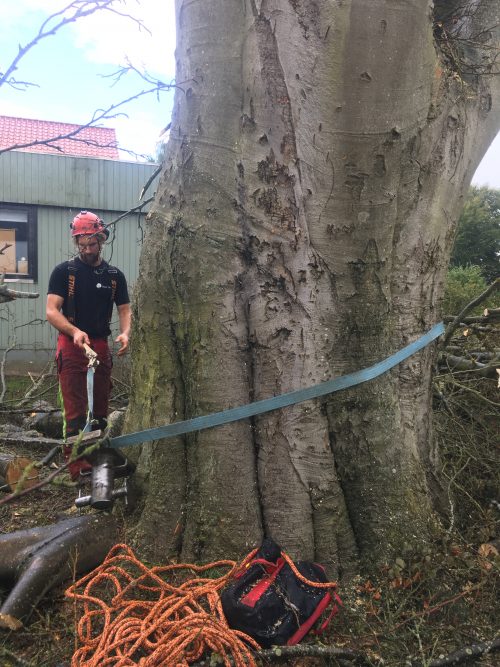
37 559
316 166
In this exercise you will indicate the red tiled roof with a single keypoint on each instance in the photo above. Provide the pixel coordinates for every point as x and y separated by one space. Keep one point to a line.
99 142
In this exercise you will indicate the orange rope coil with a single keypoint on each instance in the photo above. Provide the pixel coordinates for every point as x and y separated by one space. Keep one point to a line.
133 616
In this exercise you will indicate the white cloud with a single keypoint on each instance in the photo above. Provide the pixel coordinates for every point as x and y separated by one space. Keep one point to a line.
101 39
108 38
488 172
136 133
112 39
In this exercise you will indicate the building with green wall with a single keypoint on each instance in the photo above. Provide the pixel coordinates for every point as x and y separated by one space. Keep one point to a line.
39 196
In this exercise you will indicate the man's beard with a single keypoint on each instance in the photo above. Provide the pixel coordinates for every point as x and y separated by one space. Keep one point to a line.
90 259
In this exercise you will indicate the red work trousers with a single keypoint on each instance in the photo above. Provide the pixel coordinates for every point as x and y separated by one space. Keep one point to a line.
72 366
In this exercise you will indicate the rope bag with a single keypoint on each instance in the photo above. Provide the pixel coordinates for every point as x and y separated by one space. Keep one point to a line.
163 616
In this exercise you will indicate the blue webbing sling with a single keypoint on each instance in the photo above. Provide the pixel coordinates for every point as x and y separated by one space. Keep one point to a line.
277 402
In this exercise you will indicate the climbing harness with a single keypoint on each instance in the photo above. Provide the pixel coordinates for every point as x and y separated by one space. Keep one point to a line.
112 271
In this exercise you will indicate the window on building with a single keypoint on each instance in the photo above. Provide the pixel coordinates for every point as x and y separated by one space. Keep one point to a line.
18 233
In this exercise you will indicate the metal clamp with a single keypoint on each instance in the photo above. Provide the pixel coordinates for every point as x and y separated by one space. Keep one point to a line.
107 465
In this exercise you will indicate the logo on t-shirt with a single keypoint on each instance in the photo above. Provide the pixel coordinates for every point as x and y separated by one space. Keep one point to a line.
101 286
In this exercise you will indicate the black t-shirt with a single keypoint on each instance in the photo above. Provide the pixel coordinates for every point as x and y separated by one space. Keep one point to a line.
93 293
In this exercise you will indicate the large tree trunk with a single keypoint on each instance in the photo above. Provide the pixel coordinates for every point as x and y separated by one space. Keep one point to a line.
317 160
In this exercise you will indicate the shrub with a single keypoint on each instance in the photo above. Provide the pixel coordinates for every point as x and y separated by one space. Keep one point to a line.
463 284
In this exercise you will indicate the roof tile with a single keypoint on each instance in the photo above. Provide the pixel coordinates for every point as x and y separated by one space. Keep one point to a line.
98 142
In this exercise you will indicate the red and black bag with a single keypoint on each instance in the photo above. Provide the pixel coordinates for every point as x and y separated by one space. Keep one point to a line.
277 601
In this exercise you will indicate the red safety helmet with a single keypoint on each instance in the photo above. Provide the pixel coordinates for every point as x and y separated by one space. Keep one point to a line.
87 223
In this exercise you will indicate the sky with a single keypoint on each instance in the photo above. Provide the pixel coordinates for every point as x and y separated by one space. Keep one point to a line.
72 68
72 71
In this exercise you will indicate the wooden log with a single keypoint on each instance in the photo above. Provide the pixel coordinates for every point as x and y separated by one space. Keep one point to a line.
7 294
12 470
23 439
37 559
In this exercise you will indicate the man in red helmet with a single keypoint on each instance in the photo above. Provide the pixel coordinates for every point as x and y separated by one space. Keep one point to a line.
81 296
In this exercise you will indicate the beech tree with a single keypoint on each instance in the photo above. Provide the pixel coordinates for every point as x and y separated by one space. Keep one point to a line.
317 163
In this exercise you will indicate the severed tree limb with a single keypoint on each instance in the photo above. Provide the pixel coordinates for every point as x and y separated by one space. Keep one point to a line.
346 656
149 181
12 469
472 652
455 363
47 372
39 558
491 315
478 395
286 653
7 294
22 438
475 302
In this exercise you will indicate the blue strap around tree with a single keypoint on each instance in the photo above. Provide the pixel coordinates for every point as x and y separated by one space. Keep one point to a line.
277 402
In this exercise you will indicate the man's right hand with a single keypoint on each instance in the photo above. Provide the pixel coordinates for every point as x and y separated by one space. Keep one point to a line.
80 338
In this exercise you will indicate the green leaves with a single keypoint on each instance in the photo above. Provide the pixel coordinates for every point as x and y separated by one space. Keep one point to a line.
477 240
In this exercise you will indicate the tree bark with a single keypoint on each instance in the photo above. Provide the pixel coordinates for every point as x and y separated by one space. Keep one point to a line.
317 161
37 559
7 294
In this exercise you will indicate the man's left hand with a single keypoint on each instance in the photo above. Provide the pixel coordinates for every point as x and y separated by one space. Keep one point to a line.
123 340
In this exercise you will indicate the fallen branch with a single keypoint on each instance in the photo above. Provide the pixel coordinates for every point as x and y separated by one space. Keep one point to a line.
40 558
491 315
347 656
22 439
47 372
455 363
27 411
475 302
7 294
471 652
476 393
287 653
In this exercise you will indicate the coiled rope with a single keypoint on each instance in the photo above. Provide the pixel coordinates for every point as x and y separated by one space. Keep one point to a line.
134 616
